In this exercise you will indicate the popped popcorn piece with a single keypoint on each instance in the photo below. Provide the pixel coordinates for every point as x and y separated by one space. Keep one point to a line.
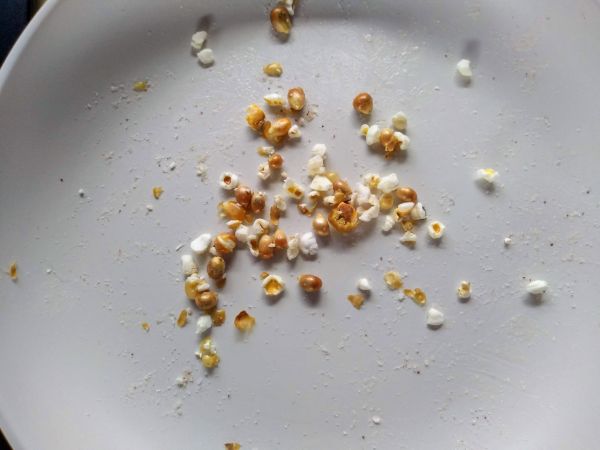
252 243
203 324
188 265
293 189
436 229
404 209
321 184
198 39
260 227
361 195
315 166
274 99
364 285
372 212
435 318
294 132
293 247
319 149
487 176
265 150
364 129
507 241
537 287
273 285
201 244
403 139
463 67
418 212
388 223
388 183
376 420
371 180
329 200
228 181
279 202
206 57
241 233
464 290
264 171
408 238
373 133
308 244
399 121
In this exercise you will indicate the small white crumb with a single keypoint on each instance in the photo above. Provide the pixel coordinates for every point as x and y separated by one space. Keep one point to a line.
364 129
464 290
507 241
48 271
487 176
463 67
308 244
172 165
81 193
321 184
203 324
403 139
279 202
228 181
188 266
241 233
388 223
206 57
376 420
537 287
293 246
198 39
435 318
408 238
364 285
373 134
399 121
418 212
294 132
264 171
149 207
315 166
388 183
319 149
435 229
201 244
184 379
274 99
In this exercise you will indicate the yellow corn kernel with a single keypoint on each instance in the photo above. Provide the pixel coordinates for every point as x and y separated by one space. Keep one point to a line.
182 318
296 98
12 271
363 103
218 317
273 69
281 20
244 321
393 280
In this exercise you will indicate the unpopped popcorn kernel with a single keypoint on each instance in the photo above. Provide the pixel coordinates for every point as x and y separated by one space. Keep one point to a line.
463 67
273 69
363 103
436 229
228 181
537 287
435 318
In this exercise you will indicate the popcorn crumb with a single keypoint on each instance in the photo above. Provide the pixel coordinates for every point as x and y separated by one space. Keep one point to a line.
149 207
203 324
184 379
408 238
388 223
364 129
393 280
81 193
198 39
537 287
487 176
145 326
182 318
293 247
356 300
308 244
206 57
376 420
264 171
274 99
507 241
435 318
321 184
157 191
319 149
436 229
463 67
172 165
464 290
201 244
244 321
399 121
141 86
364 285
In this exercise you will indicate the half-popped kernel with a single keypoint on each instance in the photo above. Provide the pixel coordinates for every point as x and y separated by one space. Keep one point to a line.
273 285
273 69
435 229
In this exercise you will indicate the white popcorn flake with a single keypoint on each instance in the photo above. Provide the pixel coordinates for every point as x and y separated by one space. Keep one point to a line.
537 287
188 266
321 184
172 165
435 229
364 129
203 324
435 318
308 244
373 134
198 39
329 200
376 420
315 166
206 57
364 285
487 176
264 171
228 181
464 290
201 244
274 99
408 238
81 193
361 194
418 212
252 243
260 227
241 233
463 67
399 121
366 215
279 202
405 208
388 223
388 183
403 139
320 150
293 247
507 241
294 132
293 189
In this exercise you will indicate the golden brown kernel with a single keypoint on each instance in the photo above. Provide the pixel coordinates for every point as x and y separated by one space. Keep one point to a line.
342 186
281 20
343 218
280 239
243 195
296 98
274 215
363 103
191 285
232 446
218 317
232 210
255 117
406 194
244 321
206 300
273 69
141 86
225 243
357 300
215 268
276 161
146 326
157 192
234 224
210 361
331 176
277 131
393 280
310 283
182 318
386 201
263 275
257 203
12 271
388 140
265 247
320 225
420 298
